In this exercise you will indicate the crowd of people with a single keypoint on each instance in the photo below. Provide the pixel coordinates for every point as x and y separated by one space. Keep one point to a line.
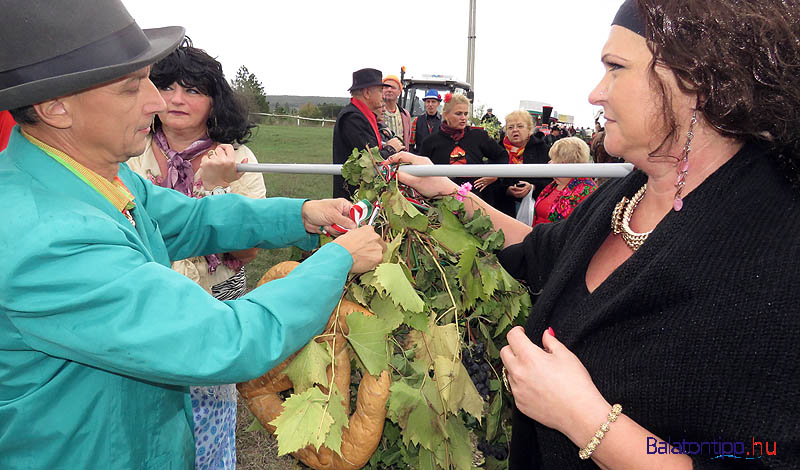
449 139
124 316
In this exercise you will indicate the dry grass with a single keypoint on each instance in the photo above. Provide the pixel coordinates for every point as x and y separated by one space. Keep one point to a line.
258 450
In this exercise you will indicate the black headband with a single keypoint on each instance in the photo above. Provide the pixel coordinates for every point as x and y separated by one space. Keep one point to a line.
629 18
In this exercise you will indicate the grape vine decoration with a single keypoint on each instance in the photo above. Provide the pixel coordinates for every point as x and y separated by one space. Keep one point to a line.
442 305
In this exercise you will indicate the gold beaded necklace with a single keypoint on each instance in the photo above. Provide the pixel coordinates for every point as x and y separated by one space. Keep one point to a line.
621 220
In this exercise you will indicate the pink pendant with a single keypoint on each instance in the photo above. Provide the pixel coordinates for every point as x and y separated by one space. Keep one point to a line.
684 166
677 204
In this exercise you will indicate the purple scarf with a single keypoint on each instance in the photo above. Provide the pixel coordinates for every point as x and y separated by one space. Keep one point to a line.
180 175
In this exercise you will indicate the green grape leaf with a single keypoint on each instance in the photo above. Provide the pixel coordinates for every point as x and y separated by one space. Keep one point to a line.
472 290
303 421
367 337
390 254
352 168
493 417
423 428
431 393
511 308
491 348
450 204
401 213
309 367
465 265
392 281
439 341
384 308
402 400
417 321
427 461
507 281
489 276
452 234
456 387
479 224
357 294
494 241
459 446
337 411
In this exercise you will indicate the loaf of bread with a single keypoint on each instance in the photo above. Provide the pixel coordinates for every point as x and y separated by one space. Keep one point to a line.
362 436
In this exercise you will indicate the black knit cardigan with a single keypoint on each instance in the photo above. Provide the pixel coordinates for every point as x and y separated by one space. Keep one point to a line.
696 334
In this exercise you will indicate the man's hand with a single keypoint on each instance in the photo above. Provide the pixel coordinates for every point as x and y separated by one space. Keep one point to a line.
218 167
365 246
318 216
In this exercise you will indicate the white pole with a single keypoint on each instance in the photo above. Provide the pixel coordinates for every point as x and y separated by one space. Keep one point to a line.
471 50
544 170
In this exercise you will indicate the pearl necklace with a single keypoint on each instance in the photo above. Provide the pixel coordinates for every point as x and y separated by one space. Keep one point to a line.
621 220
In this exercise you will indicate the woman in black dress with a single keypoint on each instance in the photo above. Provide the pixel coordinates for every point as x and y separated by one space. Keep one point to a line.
457 143
673 292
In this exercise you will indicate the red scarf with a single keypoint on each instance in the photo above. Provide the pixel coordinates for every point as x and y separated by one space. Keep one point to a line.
452 132
514 153
373 121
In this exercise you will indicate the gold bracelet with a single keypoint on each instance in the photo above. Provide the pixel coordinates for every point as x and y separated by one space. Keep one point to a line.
586 452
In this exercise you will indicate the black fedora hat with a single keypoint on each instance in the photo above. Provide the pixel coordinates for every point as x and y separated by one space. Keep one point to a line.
366 78
52 49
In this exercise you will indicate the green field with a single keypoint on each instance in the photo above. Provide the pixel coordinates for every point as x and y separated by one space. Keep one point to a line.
289 144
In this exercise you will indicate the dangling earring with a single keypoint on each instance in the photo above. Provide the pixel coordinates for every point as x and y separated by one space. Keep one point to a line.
683 165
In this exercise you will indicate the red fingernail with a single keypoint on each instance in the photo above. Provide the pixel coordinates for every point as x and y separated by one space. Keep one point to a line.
552 333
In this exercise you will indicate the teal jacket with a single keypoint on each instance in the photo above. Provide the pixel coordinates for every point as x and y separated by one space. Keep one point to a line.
99 338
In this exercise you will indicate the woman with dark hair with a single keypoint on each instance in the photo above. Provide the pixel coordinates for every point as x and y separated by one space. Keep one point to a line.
684 310
204 122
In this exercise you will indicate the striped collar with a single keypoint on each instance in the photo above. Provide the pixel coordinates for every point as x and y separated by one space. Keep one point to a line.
115 192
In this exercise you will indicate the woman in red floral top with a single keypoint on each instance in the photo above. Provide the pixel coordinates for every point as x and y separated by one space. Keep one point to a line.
559 198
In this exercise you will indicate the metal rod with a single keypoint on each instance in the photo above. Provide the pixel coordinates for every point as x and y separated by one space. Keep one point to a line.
566 170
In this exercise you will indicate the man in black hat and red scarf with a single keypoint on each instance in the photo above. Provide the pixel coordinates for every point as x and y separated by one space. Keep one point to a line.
357 124
100 339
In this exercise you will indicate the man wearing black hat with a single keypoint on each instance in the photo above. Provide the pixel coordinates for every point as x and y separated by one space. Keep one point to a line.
99 337
357 125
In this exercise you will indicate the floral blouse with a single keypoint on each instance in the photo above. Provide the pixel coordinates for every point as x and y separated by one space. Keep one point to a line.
565 200
250 185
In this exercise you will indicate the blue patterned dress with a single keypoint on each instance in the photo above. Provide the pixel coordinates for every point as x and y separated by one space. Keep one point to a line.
214 411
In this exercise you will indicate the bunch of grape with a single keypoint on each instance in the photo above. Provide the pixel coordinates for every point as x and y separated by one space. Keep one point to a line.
479 370
498 451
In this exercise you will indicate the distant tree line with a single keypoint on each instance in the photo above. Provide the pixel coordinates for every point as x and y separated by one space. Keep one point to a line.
252 91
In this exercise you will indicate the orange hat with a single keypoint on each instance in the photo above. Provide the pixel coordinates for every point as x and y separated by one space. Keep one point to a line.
393 78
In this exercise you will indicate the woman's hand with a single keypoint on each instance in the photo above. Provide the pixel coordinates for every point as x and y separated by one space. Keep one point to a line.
218 167
482 183
550 385
318 216
428 186
519 191
365 246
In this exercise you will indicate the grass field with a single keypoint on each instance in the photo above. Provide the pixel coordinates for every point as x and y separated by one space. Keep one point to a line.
280 144
289 144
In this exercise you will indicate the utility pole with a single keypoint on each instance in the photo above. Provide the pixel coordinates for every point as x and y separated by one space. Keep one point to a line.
471 50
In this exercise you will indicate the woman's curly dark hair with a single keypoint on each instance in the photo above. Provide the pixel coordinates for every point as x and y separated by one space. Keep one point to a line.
191 67
742 59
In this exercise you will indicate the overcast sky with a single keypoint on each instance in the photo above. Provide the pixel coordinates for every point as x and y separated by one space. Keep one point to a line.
525 49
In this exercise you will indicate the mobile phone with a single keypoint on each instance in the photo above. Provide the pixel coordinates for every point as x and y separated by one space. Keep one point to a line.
520 184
